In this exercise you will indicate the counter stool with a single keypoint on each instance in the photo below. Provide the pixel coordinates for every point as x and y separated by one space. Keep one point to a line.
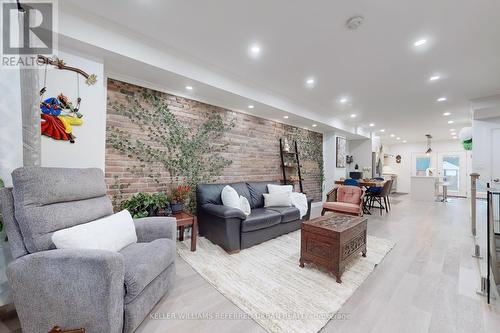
444 185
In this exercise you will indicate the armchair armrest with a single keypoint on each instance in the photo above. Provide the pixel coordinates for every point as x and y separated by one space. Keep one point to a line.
223 211
150 228
332 195
69 288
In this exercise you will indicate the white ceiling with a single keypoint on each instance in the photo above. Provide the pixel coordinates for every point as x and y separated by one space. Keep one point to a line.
376 66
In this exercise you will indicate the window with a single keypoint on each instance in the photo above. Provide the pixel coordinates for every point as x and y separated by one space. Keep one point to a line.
422 163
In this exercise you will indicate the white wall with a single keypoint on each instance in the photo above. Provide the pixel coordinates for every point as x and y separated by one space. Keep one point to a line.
483 147
332 173
11 134
89 147
361 151
404 169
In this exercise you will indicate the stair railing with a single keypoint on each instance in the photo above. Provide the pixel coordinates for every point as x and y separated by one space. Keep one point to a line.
473 201
493 231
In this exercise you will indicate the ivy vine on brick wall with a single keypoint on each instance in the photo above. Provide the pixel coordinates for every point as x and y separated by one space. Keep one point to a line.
187 153
310 148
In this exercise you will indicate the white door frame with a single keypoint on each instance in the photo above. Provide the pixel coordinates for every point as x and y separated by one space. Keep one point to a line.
462 175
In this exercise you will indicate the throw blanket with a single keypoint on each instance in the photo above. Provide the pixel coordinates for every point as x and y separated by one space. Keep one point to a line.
299 200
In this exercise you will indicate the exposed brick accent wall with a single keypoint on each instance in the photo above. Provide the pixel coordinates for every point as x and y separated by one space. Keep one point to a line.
253 146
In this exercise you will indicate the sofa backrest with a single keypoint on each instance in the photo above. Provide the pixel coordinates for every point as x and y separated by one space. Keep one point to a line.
349 194
210 193
256 190
50 199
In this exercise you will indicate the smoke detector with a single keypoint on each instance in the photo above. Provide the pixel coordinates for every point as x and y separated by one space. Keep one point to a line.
354 22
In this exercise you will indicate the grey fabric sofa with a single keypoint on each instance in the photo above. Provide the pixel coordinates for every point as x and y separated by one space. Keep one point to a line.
231 229
99 290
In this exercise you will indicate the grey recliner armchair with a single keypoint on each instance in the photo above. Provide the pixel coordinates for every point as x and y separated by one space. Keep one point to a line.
99 290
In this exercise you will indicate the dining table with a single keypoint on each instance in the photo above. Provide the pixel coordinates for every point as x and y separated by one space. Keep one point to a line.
366 184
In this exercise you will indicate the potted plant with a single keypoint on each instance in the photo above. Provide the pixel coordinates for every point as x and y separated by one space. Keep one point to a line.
160 202
145 204
138 205
178 197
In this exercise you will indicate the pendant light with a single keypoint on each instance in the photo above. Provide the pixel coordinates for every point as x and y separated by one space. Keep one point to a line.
429 149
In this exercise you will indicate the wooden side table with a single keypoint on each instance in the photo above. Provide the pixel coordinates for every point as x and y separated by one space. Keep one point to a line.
187 220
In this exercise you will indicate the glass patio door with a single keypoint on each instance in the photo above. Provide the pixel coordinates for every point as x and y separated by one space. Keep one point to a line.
452 167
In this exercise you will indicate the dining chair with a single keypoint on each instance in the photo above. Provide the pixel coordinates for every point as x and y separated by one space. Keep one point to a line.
378 197
351 182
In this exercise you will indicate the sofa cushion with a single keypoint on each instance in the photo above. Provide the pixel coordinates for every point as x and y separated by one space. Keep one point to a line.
288 214
256 190
277 200
273 188
260 218
50 199
230 197
144 262
349 194
343 207
211 193
242 189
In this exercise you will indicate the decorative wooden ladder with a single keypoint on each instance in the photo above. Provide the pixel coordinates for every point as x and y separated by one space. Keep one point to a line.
286 167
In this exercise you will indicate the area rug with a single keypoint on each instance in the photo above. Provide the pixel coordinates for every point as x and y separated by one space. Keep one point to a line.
266 282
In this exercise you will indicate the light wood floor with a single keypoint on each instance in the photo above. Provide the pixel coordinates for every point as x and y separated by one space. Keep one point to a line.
427 283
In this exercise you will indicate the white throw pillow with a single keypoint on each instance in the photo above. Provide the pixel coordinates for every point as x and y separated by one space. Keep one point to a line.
230 197
111 233
273 189
245 205
277 200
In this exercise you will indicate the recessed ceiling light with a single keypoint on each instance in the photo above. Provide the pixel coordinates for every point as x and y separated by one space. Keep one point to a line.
343 100
189 88
452 130
404 141
450 121
286 117
446 114
434 78
255 49
455 137
453 133
353 115
371 125
392 135
314 125
441 99
382 130
420 42
398 138
310 81
250 106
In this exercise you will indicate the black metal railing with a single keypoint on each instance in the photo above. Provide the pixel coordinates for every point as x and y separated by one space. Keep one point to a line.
492 232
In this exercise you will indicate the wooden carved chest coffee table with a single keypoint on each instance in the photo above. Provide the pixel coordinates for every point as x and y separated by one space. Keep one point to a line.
332 241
